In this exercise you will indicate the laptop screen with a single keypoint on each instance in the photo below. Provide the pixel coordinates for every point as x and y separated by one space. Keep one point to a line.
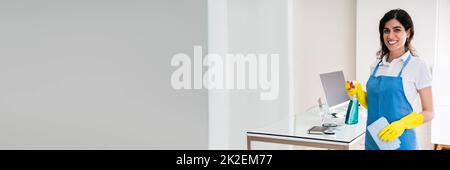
334 86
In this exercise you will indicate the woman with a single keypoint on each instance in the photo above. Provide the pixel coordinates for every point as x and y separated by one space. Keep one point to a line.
396 79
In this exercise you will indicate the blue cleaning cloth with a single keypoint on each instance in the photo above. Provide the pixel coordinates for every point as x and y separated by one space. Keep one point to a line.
375 128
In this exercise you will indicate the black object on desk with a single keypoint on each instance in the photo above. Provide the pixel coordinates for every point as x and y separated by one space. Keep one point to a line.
321 130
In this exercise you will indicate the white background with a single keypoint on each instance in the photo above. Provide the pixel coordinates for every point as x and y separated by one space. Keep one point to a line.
95 74
441 84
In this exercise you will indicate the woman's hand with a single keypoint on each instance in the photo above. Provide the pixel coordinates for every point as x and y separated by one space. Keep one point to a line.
395 129
354 89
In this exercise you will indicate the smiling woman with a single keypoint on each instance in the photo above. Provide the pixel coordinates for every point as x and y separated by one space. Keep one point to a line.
396 33
396 79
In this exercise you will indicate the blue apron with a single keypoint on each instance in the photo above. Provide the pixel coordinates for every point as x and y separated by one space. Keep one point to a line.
386 98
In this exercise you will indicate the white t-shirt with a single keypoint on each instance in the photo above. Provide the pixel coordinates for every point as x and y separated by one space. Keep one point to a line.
416 74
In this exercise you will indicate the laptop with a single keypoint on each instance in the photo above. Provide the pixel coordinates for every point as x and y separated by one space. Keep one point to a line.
336 96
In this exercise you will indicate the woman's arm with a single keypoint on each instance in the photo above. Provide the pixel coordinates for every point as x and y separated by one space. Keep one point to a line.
412 120
426 98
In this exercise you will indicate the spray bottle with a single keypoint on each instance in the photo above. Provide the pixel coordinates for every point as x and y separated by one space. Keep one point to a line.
352 111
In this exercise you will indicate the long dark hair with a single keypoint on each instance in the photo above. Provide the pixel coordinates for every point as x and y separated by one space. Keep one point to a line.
403 17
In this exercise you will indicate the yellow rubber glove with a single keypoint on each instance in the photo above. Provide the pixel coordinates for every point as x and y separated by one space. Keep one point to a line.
358 91
395 129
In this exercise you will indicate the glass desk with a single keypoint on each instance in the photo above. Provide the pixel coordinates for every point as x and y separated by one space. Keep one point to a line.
294 131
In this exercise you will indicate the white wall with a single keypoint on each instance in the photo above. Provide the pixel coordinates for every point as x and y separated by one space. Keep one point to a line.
441 81
324 41
424 15
96 75
269 26
218 100
257 27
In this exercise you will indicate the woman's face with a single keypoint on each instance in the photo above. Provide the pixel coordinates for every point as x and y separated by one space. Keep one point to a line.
395 36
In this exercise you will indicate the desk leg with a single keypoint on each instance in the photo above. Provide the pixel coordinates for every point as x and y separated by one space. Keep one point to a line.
346 148
249 143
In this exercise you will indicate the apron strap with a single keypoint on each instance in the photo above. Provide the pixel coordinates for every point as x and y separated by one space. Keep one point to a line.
376 68
404 64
